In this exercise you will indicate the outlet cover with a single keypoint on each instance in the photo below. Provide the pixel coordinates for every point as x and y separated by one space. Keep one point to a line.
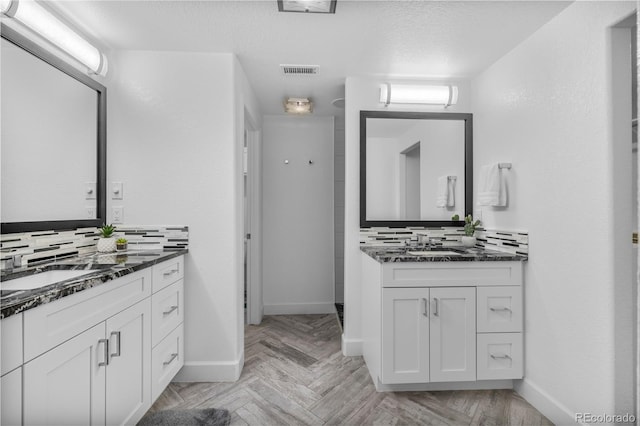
117 214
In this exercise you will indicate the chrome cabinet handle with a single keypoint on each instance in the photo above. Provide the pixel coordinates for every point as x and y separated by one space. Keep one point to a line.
501 309
436 310
425 311
117 334
171 272
504 356
106 352
171 309
173 356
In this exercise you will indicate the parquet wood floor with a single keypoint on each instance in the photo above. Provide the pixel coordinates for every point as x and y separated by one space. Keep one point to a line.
295 374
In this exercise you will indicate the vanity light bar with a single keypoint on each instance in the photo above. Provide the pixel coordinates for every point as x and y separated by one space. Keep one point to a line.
35 17
418 94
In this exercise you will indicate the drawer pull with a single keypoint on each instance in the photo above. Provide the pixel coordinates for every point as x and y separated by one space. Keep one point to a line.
117 334
106 352
173 356
504 356
171 272
436 310
425 312
502 309
171 309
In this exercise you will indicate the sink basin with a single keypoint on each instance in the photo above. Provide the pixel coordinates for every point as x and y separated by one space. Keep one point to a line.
42 279
433 253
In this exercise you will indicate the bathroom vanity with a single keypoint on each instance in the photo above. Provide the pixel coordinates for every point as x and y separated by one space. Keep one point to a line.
442 319
97 348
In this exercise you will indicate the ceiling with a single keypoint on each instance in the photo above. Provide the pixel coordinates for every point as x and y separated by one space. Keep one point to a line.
413 39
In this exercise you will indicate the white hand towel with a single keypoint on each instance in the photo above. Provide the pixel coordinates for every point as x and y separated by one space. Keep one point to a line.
492 188
446 192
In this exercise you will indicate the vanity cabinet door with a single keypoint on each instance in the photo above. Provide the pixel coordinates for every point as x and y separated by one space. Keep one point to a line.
128 394
66 385
11 400
405 335
453 334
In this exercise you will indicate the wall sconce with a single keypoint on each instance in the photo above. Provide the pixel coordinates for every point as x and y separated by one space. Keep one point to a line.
418 94
298 106
38 19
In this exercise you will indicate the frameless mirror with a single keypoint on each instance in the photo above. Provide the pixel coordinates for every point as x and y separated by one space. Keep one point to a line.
415 168
52 141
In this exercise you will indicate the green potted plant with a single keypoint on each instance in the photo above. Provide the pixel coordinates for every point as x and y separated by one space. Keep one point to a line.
106 242
470 226
121 244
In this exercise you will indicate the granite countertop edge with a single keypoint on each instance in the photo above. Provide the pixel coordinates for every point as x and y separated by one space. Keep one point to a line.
20 301
398 254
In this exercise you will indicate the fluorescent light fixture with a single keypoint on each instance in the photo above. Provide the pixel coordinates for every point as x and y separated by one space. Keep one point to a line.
418 94
35 17
307 6
298 106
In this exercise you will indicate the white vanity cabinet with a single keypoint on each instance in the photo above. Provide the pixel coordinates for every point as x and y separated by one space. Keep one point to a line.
89 357
442 325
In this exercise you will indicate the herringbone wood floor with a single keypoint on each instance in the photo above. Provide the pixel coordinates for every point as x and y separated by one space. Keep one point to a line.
295 374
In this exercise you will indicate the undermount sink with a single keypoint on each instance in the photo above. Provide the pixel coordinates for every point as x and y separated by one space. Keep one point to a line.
41 279
433 253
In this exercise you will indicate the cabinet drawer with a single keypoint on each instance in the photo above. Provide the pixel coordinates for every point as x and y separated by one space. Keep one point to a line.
167 310
451 274
50 324
166 360
499 356
11 343
499 309
168 272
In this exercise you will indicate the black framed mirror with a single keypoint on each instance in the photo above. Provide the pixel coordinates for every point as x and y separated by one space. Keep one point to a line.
54 120
416 168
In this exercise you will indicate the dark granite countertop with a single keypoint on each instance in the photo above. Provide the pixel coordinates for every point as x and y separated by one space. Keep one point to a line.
101 267
462 254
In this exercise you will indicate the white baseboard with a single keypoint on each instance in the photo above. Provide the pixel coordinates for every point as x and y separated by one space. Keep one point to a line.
300 309
351 347
225 371
412 387
545 403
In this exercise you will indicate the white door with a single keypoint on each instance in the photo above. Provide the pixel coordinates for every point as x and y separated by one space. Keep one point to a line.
453 334
128 379
11 398
66 386
405 335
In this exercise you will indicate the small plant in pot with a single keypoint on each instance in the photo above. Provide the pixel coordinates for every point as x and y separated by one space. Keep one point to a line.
106 242
468 240
121 244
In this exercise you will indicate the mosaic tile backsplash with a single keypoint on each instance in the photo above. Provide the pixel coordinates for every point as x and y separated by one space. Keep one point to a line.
505 241
36 247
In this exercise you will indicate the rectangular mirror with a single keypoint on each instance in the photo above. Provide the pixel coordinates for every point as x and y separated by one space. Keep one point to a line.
53 141
416 168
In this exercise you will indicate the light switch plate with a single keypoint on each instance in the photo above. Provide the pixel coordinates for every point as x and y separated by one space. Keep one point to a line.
117 214
116 191
90 191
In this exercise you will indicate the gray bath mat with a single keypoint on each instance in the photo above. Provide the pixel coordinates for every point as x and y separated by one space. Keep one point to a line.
193 417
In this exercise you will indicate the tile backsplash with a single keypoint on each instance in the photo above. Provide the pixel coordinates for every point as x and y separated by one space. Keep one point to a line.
516 242
40 246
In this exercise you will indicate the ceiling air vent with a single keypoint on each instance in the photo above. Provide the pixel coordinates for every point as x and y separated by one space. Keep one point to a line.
300 69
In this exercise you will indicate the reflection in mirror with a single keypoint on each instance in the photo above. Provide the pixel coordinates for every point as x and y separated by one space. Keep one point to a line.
415 168
52 141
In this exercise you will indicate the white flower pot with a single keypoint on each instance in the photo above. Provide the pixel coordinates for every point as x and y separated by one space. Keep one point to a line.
107 245
468 241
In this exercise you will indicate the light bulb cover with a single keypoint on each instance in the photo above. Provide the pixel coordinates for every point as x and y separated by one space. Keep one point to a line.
41 21
298 106
418 94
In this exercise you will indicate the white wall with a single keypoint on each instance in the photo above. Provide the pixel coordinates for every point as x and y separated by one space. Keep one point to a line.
338 217
547 108
361 93
383 178
298 215
174 123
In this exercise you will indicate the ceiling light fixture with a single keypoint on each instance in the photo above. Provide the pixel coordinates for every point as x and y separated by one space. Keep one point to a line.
418 94
298 106
35 17
307 6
